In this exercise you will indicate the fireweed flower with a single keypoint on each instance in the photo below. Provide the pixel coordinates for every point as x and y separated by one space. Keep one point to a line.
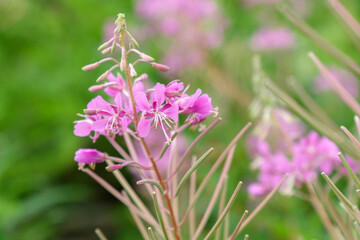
305 159
194 27
313 154
265 136
272 39
348 80
89 156
157 111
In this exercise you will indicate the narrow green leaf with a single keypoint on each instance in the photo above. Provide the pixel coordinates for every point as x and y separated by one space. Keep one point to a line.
158 213
349 170
192 169
152 182
225 212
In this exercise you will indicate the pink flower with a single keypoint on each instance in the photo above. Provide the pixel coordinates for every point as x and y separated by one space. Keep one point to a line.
346 78
314 154
265 137
272 39
103 118
271 171
302 157
192 26
117 85
155 111
173 89
89 156
197 106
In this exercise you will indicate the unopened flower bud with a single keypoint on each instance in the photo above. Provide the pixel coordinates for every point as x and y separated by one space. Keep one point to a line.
90 111
143 77
123 61
114 167
90 67
160 67
103 76
96 88
89 156
113 47
102 46
133 73
146 57
106 51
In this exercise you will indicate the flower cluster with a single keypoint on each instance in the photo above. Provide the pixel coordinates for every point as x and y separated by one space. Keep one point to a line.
156 107
134 107
192 26
302 157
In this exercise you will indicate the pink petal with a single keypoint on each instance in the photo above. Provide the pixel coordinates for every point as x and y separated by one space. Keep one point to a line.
99 125
144 126
142 101
159 94
82 129
118 101
172 112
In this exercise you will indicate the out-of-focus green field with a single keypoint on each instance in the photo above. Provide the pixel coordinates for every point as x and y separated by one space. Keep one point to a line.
44 44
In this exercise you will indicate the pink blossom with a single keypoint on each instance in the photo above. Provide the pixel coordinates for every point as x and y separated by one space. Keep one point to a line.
307 157
173 89
155 111
278 131
89 156
314 154
346 78
193 26
271 171
117 85
273 39
197 106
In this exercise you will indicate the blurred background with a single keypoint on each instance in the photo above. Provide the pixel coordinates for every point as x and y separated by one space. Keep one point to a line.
44 44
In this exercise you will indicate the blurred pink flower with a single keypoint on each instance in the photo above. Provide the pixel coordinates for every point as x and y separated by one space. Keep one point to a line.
309 156
191 27
346 78
278 132
314 154
273 39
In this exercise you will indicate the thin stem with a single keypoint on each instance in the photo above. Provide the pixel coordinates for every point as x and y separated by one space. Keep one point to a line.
100 234
310 103
336 85
236 231
221 208
263 203
213 169
119 196
192 190
192 145
147 149
138 221
216 193
118 148
225 212
158 213
322 213
130 191
319 41
346 16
